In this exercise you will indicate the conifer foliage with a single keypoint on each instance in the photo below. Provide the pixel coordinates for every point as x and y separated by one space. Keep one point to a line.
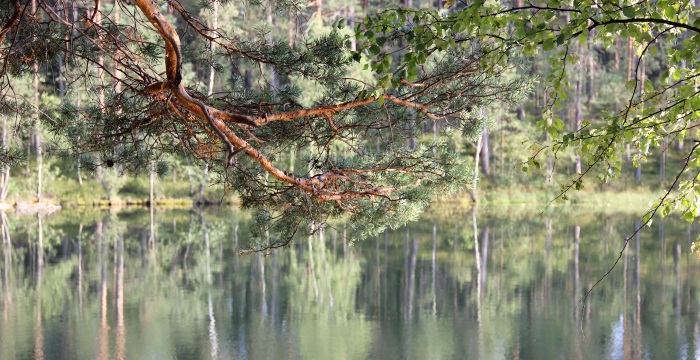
297 159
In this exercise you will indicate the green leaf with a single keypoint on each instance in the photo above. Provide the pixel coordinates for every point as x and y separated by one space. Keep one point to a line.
583 37
631 85
648 86
670 12
652 50
676 74
558 124
548 45
629 11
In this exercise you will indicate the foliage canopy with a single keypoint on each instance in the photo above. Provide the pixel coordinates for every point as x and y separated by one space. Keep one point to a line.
355 137
662 106
335 134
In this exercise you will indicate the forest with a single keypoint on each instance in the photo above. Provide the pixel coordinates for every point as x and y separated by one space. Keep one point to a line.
367 110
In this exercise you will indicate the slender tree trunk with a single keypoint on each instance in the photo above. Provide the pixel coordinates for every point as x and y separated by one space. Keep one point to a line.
521 112
662 162
351 24
291 30
35 120
151 181
212 47
5 178
642 80
549 171
189 176
577 104
486 153
203 184
590 94
473 192
61 82
117 69
617 53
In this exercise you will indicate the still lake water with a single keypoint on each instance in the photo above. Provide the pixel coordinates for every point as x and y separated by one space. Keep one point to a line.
500 285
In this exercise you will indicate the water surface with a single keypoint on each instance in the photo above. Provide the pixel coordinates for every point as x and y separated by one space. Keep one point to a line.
500 285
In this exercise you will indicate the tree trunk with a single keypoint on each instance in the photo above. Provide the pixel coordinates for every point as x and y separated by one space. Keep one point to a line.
5 177
291 30
351 24
577 104
212 47
485 153
473 192
151 181
662 162
117 70
590 94
203 184
37 134
35 120
189 176
521 112
642 79
617 53
630 58
74 33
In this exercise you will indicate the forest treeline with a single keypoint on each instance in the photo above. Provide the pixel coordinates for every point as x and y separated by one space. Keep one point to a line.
40 169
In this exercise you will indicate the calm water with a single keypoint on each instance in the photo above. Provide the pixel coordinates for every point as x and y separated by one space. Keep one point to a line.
101 285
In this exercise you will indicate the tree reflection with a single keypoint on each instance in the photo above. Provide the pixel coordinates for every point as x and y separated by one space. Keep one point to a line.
478 285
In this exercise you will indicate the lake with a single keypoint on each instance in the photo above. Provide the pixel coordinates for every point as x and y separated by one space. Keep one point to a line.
492 284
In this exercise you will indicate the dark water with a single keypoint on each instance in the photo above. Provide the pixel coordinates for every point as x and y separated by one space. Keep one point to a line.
505 285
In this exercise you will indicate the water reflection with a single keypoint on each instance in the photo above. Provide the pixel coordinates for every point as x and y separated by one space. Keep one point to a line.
140 284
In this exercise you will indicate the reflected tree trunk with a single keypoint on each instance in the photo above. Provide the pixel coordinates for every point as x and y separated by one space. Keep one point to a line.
662 241
7 345
577 235
7 262
378 278
80 267
432 268
637 276
213 336
485 256
312 268
410 294
324 260
677 275
103 331
479 265
39 327
477 257
121 328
